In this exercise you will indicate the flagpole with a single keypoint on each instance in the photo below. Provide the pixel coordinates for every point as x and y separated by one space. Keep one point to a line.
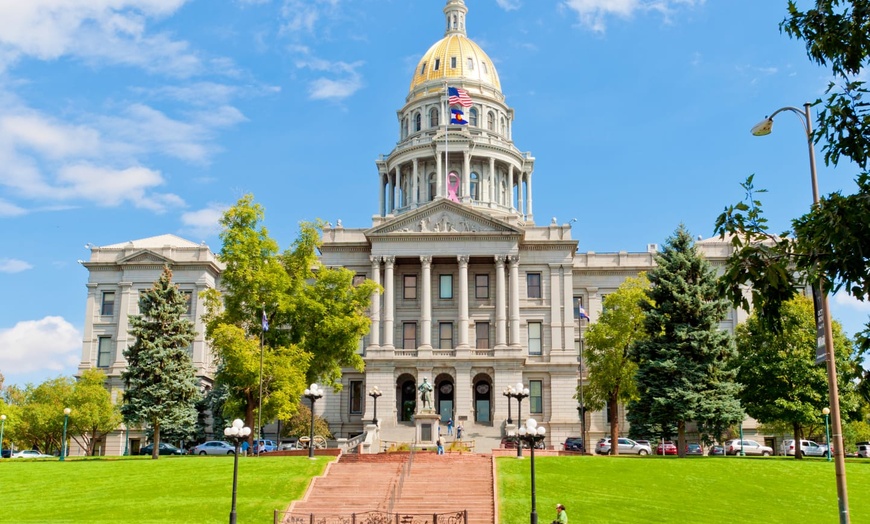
263 325
446 179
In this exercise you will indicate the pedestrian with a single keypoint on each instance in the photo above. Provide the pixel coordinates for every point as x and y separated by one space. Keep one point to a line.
440 446
459 431
450 426
245 448
561 515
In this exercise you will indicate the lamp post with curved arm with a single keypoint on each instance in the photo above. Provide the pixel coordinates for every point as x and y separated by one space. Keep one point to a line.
312 394
520 392
764 128
237 432
531 433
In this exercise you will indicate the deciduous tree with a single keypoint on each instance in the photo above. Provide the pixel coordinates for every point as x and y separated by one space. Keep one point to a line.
95 413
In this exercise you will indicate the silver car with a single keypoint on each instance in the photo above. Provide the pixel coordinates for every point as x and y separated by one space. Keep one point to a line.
626 447
214 447
749 447
808 448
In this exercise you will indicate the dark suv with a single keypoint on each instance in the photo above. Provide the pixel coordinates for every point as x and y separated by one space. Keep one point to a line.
573 444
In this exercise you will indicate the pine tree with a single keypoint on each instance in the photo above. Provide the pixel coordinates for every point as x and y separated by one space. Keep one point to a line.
683 372
160 381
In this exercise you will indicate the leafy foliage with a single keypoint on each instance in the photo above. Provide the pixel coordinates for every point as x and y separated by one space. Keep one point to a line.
38 421
299 425
94 414
160 381
682 367
607 349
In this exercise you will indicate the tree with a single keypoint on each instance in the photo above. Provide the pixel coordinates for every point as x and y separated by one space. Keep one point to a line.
160 381
94 412
39 421
831 240
682 367
299 425
608 344
782 381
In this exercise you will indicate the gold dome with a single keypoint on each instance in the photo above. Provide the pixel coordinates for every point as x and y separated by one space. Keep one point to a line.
455 58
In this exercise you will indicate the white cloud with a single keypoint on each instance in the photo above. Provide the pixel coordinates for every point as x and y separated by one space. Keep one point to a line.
849 302
50 344
11 265
204 222
10 210
593 14
508 5
349 80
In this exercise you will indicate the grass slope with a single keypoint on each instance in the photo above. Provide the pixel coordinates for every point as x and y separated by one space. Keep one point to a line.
168 490
599 490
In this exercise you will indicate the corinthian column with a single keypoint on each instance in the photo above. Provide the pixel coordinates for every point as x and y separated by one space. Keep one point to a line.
388 302
426 305
375 335
463 301
514 261
500 317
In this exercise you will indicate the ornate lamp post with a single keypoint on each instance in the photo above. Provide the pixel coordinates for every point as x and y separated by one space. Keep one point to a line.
509 392
236 433
375 392
531 433
66 412
764 128
2 427
313 393
826 411
520 392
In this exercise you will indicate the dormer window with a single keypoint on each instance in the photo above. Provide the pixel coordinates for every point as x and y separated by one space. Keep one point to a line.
483 66
453 62
423 68
437 63
470 64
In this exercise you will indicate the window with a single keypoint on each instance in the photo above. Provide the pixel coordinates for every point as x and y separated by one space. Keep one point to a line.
409 287
433 117
481 286
481 335
446 286
490 121
423 68
405 127
536 396
453 62
359 279
418 122
445 335
437 64
409 335
108 306
432 187
474 186
533 285
578 303
104 352
534 338
188 302
503 127
483 66
472 117
356 397
470 63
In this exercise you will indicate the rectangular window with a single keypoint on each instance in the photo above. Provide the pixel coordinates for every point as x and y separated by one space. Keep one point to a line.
453 62
470 63
481 335
578 303
481 286
359 279
536 396
534 338
445 335
423 68
533 285
437 64
108 306
104 352
410 287
409 335
446 286
356 397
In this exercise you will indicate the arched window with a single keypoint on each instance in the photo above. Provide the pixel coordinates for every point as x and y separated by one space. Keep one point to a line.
490 121
470 63
472 116
483 66
431 186
475 179
433 117
405 128
503 199
418 122
503 127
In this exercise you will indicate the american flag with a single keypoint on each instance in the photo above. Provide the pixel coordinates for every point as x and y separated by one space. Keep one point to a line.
458 97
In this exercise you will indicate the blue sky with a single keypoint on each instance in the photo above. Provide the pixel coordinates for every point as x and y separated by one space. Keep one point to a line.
124 119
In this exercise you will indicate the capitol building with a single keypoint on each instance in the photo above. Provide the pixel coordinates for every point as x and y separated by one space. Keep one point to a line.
477 296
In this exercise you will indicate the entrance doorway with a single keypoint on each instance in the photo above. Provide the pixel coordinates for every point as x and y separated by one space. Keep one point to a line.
444 396
483 400
406 398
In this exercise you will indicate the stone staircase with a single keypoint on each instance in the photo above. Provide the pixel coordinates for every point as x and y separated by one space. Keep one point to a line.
485 437
434 484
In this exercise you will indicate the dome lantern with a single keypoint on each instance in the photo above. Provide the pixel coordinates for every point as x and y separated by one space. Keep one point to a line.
455 12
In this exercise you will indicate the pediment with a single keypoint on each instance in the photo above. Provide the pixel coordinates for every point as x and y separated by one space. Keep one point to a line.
444 217
144 257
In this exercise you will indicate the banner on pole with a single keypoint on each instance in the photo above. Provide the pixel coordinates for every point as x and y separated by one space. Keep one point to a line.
820 325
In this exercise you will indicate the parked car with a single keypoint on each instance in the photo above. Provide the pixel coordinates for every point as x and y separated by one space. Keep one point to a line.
749 447
573 444
666 447
864 449
808 448
264 446
164 449
644 443
214 447
626 447
694 449
6 453
288 445
717 450
31 454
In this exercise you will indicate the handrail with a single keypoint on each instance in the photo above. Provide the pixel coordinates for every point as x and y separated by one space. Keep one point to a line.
289 517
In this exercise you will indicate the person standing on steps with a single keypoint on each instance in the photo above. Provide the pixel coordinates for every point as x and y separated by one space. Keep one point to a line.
450 427
459 431
440 446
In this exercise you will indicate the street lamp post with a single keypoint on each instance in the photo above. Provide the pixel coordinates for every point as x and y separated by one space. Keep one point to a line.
826 411
2 427
375 392
313 393
520 392
236 433
742 452
531 433
66 412
764 128
508 392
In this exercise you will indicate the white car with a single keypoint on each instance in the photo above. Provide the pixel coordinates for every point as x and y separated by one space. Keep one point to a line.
31 454
749 447
808 448
864 449
626 447
214 447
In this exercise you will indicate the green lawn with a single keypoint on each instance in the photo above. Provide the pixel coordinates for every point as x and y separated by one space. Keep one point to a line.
698 490
140 490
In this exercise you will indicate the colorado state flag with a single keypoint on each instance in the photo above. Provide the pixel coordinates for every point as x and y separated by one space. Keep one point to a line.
457 117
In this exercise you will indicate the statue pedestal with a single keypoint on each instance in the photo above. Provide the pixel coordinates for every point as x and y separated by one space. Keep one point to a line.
427 423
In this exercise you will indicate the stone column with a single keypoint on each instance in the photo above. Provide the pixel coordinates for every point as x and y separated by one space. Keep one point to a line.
520 206
393 179
568 306
529 203
510 202
463 301
88 338
500 299
555 307
440 174
426 302
415 186
514 313
493 182
375 334
388 301
125 296
466 177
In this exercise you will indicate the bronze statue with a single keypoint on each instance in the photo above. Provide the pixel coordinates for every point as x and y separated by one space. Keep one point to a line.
425 394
